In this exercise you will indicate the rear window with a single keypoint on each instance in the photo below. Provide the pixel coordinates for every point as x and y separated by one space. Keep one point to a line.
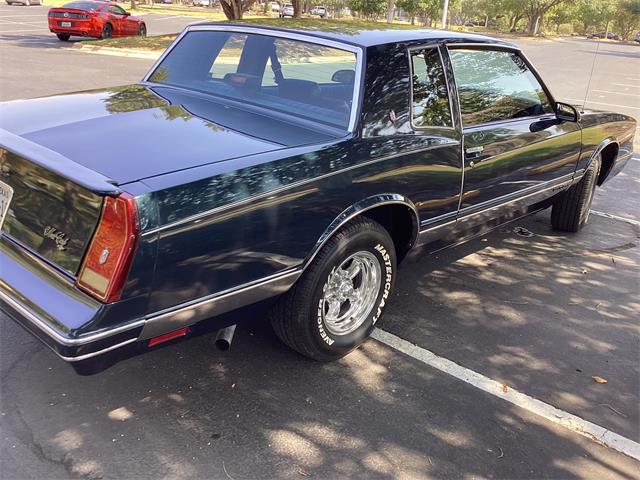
83 5
295 77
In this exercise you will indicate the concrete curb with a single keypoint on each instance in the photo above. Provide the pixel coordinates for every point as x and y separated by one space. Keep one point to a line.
119 52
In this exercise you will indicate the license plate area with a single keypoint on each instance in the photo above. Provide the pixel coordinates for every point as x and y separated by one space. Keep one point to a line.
6 193
65 24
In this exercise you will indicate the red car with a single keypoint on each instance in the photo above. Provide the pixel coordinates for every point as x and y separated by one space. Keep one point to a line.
94 19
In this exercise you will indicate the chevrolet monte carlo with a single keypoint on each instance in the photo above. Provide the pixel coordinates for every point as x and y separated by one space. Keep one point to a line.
256 163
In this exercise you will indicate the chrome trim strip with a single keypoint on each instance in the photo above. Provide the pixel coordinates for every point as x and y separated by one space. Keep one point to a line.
42 325
536 189
355 210
95 354
357 84
284 188
194 311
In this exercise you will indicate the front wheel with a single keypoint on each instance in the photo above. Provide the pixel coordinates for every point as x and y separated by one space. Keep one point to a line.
142 31
63 36
570 212
336 303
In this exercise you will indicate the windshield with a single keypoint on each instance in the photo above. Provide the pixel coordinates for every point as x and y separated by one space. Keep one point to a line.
291 76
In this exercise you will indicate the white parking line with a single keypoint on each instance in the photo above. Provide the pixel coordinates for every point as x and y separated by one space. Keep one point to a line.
619 93
625 85
580 100
616 217
533 405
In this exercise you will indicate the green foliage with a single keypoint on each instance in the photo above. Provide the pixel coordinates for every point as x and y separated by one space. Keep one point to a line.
368 8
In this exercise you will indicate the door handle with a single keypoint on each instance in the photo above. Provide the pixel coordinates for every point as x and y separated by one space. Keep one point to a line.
474 151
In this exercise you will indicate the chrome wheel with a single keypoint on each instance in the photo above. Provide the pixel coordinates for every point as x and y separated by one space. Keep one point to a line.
350 292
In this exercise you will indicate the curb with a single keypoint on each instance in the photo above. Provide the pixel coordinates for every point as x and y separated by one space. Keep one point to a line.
119 52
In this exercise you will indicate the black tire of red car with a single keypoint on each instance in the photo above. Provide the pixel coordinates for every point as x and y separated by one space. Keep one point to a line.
299 317
107 31
63 37
570 212
142 31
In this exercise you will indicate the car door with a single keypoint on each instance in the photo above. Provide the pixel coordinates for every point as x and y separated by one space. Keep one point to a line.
515 147
118 19
433 118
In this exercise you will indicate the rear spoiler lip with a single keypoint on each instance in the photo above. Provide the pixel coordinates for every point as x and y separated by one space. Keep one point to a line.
57 163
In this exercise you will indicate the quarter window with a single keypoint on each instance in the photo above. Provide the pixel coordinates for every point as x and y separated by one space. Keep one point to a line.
430 97
496 85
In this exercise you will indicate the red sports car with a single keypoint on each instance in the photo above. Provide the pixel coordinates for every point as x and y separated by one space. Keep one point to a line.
96 19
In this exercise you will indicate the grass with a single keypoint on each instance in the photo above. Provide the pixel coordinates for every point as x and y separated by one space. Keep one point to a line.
161 42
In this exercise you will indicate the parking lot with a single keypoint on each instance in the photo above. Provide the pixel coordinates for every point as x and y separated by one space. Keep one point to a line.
537 314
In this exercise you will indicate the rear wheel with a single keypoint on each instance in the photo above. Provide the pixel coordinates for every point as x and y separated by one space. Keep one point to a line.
63 36
337 301
107 31
142 31
570 212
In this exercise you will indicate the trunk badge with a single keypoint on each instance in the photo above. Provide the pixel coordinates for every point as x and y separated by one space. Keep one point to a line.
103 256
57 236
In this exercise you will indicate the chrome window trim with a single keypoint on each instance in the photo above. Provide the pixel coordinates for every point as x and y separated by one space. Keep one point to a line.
359 52
410 52
489 46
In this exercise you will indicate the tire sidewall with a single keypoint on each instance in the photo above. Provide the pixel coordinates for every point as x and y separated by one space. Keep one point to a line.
381 246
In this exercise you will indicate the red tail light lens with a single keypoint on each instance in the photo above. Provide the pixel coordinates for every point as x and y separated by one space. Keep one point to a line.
108 258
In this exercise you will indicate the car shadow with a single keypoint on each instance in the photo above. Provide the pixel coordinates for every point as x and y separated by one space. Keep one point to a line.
518 308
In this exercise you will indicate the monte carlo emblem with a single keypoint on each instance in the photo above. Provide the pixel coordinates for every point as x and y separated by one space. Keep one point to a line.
57 236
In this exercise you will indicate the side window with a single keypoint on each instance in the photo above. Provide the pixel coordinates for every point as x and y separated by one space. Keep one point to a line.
430 97
496 85
117 10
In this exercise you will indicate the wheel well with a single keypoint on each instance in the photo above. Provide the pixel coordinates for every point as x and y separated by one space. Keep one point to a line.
400 222
608 155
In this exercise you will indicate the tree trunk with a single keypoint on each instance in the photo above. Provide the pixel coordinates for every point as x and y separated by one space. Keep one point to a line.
133 4
232 9
390 8
297 8
413 19
486 21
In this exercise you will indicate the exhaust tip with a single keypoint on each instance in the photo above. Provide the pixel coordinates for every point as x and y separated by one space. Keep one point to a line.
225 337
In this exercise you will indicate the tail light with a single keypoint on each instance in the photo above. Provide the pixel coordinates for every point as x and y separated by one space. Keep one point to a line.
108 258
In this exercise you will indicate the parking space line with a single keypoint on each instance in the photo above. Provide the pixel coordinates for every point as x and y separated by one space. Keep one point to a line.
616 217
619 93
625 85
530 404
600 103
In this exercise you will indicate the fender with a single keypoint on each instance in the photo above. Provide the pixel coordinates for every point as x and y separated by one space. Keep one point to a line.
359 208
605 143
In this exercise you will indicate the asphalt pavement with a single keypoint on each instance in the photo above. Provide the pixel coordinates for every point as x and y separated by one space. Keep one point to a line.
540 313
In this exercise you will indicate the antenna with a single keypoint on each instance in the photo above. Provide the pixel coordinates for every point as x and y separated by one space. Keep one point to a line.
593 66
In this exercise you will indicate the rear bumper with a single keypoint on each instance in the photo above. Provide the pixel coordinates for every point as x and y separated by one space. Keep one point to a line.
47 304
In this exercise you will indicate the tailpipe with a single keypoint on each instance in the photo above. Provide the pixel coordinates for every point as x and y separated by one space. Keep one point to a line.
225 337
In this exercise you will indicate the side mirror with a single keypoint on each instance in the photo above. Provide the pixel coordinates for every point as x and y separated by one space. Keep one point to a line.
567 112
344 76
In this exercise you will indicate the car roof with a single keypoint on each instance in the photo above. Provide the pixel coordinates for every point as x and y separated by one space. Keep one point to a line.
370 37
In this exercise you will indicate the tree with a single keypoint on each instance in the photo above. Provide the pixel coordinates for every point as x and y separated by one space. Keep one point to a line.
536 9
627 17
234 9
390 8
297 8
420 8
368 8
